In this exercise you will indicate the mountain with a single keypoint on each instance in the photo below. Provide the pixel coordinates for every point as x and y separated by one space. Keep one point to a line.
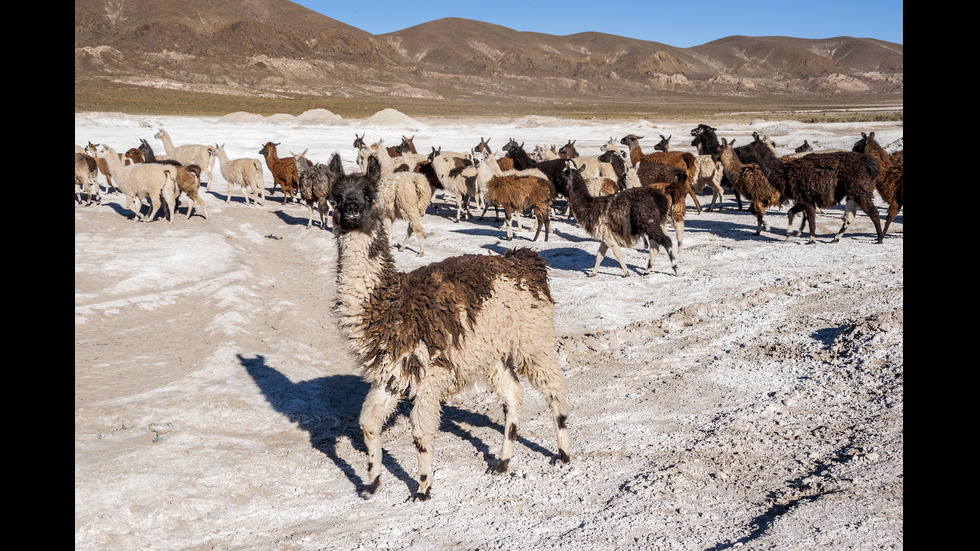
275 48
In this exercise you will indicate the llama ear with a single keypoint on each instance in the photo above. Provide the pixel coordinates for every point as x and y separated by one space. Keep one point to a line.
373 172
335 168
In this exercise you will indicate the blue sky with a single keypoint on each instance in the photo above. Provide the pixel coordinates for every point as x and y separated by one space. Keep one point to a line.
675 23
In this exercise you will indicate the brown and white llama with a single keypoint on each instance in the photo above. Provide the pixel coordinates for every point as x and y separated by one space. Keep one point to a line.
442 328
86 174
621 219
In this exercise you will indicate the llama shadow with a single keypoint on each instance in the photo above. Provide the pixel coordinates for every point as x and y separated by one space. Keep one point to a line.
729 230
299 220
458 421
130 213
328 409
235 199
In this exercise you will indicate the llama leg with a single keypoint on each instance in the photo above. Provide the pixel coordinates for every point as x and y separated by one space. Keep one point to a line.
810 214
598 258
204 207
796 208
425 422
136 205
869 208
414 225
547 222
759 212
679 233
542 372
378 406
511 398
155 205
850 211
892 213
539 217
509 217
619 256
657 241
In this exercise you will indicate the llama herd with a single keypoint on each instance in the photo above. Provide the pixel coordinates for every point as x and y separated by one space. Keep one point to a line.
539 181
475 319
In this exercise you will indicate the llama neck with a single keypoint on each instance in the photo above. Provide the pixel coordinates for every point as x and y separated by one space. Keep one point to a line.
583 204
115 165
364 266
730 163
635 154
168 145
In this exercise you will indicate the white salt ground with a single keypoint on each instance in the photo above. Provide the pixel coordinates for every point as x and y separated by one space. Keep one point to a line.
755 401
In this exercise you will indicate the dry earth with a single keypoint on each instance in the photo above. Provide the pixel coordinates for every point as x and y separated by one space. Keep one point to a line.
755 401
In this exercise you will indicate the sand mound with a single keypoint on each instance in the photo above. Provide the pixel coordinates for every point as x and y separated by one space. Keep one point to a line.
241 117
319 116
393 117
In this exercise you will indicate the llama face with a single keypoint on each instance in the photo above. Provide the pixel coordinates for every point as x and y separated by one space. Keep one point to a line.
353 197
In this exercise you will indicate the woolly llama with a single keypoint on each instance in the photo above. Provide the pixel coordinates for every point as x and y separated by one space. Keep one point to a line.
621 219
750 182
823 180
442 328
890 182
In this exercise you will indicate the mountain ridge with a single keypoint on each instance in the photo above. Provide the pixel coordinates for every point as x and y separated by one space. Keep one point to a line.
276 48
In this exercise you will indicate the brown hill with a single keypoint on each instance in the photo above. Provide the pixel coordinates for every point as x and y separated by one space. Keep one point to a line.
275 48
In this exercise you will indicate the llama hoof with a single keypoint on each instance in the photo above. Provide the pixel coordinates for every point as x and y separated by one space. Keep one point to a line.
500 467
371 489
422 496
562 458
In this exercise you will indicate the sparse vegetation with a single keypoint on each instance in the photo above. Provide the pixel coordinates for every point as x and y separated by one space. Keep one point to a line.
99 95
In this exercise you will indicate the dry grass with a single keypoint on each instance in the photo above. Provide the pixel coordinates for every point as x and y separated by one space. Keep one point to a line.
102 96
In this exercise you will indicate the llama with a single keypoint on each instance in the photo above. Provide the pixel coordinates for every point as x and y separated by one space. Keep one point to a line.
284 173
750 181
568 150
458 176
103 166
135 155
151 181
709 173
516 192
663 144
890 182
822 180
487 168
706 142
805 148
86 178
302 163
189 154
441 329
244 172
188 177
189 182
402 196
680 159
314 189
620 219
